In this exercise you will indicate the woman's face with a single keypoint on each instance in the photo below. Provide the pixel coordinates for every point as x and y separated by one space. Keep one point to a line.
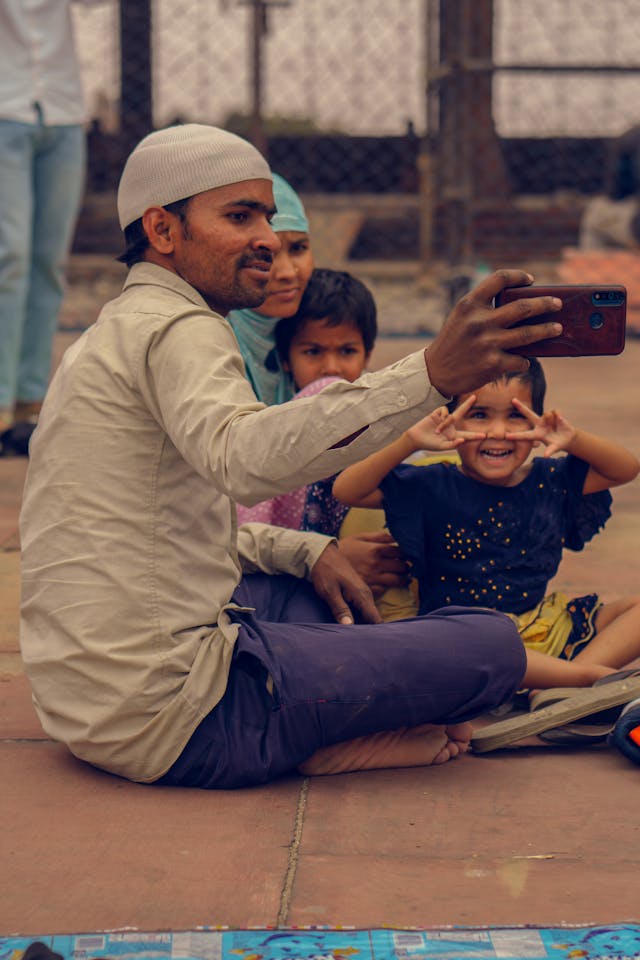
289 275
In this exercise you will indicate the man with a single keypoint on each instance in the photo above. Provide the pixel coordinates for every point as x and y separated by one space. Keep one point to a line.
149 654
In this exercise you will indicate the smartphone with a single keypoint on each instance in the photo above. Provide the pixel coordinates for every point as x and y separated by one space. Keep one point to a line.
593 317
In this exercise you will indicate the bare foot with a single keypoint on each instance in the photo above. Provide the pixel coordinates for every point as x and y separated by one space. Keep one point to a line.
459 735
426 745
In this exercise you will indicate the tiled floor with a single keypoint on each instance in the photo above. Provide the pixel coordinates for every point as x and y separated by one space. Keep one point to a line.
523 836
606 266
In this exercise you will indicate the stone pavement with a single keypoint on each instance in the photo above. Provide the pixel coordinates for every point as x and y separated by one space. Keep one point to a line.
528 836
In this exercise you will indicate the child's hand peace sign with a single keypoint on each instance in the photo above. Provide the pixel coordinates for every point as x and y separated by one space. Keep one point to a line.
439 431
550 429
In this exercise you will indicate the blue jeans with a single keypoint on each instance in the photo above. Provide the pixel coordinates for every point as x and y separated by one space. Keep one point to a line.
299 681
41 184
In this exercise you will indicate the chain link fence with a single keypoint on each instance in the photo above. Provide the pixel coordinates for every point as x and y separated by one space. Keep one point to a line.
429 133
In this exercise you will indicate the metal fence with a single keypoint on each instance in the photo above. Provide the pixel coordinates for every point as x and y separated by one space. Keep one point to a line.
424 130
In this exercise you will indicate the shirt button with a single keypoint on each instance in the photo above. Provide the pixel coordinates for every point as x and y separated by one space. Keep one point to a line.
402 400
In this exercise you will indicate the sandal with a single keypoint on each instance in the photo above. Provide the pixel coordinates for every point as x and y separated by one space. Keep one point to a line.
582 702
578 734
545 697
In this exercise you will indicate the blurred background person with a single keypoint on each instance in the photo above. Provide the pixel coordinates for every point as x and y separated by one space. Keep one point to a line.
42 167
612 220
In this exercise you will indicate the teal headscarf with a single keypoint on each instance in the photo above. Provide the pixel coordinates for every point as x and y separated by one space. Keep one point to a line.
254 332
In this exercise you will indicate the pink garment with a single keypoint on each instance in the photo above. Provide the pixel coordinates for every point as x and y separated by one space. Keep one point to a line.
287 509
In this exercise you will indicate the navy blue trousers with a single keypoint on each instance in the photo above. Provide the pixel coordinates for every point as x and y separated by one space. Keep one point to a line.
300 681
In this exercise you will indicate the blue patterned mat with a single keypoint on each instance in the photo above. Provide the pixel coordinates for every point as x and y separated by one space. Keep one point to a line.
614 942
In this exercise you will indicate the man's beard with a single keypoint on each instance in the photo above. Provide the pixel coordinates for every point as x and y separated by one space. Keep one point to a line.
238 297
250 296
239 294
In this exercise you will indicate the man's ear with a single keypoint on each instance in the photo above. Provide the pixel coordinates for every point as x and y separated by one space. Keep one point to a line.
159 224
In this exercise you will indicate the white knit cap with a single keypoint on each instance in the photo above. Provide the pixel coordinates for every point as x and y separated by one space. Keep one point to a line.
181 161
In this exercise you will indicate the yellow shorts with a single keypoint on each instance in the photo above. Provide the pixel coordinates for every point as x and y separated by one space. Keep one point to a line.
558 626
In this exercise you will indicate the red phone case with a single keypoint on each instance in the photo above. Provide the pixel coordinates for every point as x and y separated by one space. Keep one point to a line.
593 317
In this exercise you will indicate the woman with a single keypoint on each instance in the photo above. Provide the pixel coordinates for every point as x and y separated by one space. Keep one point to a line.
290 273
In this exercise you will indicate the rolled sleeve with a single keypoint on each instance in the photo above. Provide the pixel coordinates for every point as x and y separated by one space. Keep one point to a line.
268 549
252 452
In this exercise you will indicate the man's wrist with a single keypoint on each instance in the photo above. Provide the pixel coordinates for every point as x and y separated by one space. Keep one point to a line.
318 549
443 393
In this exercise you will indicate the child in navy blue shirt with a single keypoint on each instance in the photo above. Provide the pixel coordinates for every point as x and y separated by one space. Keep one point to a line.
490 531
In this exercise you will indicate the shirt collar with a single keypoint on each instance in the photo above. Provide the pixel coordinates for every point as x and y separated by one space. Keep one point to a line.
151 273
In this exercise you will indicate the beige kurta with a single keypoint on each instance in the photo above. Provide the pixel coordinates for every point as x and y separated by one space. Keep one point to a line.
130 552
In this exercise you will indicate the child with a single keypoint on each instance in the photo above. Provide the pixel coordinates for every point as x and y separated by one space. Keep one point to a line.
331 336
490 531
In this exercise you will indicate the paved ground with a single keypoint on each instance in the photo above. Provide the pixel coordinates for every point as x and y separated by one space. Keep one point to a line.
515 837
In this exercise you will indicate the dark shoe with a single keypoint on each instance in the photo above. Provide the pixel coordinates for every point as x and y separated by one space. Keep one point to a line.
626 733
14 442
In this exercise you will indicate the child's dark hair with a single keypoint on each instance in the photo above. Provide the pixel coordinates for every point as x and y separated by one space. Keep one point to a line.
338 296
533 377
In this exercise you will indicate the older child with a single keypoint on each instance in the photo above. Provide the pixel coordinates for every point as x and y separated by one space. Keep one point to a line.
490 531
330 337
333 332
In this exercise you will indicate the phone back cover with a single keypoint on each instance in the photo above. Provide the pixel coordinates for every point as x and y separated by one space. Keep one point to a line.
578 338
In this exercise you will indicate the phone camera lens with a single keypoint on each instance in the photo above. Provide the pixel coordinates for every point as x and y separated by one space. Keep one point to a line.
596 320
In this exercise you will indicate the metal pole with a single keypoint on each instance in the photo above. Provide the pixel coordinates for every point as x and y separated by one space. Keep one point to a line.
426 165
136 114
258 30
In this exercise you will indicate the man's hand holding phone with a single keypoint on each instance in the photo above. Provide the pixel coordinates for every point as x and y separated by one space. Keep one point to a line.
479 342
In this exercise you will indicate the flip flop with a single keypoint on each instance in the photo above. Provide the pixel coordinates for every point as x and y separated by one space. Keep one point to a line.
618 675
578 734
583 702
544 698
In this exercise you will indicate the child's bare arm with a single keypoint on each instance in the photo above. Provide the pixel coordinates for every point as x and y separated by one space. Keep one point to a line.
610 464
359 484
